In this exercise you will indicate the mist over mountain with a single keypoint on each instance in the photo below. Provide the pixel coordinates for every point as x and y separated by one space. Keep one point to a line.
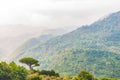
13 37
94 47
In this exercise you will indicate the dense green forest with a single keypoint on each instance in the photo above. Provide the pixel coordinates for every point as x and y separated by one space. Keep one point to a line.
94 47
12 71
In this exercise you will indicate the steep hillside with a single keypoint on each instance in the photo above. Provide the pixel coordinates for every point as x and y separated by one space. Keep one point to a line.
94 47
31 44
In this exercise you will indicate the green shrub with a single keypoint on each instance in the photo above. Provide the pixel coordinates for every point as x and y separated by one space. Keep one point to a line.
109 79
12 71
34 77
49 73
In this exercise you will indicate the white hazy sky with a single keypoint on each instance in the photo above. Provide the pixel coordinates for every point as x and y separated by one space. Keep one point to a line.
30 17
38 15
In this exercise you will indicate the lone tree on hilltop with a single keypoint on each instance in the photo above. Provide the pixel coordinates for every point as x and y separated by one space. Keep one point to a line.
31 62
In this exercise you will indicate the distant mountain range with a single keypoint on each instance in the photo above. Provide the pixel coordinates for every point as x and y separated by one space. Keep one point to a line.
15 35
94 47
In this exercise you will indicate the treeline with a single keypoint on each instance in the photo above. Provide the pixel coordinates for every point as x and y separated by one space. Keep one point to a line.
12 71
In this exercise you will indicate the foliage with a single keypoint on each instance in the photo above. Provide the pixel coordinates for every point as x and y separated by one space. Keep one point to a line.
49 73
66 78
31 62
34 77
83 75
75 78
12 71
109 79
96 61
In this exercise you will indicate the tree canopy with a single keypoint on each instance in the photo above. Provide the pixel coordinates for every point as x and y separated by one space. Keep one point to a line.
12 71
31 62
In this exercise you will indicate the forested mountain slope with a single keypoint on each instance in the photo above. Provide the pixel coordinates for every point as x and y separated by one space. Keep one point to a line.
94 47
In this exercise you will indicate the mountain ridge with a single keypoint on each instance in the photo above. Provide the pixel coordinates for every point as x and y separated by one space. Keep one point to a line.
87 42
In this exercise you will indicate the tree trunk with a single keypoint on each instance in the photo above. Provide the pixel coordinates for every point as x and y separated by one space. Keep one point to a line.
30 67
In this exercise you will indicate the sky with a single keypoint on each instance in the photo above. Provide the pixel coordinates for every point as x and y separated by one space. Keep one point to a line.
23 19
18 16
